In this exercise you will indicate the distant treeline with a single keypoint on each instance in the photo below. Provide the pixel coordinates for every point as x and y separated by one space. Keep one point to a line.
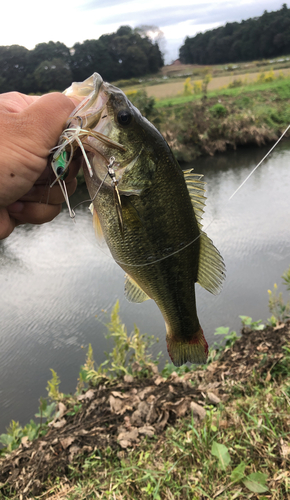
53 66
262 37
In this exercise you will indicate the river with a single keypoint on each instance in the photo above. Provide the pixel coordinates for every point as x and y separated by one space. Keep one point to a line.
55 279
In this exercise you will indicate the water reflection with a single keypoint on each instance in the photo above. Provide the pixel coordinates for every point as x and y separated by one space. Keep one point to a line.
55 278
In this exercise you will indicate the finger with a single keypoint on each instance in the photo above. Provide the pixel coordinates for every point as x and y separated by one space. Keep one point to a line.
33 213
43 123
45 194
14 102
7 224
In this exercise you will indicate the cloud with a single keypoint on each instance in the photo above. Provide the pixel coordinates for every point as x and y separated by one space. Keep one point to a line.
199 13
95 4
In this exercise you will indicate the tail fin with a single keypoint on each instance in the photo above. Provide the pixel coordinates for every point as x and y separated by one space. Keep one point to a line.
182 350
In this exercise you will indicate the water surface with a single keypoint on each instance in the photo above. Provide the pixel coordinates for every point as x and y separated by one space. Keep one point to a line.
55 279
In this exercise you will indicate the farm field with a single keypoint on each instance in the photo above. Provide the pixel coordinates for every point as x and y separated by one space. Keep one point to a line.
171 89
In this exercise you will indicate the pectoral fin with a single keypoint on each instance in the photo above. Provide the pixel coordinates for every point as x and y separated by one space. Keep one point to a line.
133 292
96 223
211 267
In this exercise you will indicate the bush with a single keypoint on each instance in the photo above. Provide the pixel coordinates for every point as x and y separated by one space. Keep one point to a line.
237 82
187 87
140 99
218 110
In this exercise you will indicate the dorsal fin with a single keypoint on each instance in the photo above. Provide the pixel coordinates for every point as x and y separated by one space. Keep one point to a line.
211 267
133 292
96 223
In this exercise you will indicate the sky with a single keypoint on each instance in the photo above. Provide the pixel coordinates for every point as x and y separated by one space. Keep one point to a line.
30 22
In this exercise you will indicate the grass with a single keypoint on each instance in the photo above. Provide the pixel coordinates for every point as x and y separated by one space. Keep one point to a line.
239 450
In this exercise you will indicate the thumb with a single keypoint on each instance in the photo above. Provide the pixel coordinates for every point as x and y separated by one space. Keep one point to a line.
44 120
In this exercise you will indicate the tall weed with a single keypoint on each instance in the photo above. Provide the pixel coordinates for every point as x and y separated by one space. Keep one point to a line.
278 308
130 354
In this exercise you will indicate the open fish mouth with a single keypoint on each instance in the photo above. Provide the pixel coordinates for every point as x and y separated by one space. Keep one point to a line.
81 125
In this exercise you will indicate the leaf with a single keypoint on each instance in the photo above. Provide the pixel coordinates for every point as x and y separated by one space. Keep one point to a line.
221 452
246 320
256 482
259 327
238 473
6 439
222 330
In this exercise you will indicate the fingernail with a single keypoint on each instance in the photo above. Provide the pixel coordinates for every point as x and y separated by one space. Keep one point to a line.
16 207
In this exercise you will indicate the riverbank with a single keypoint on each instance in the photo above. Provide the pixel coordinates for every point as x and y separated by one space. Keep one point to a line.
216 431
197 125
255 114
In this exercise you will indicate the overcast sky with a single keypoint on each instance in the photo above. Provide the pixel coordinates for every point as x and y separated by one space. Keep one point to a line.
28 22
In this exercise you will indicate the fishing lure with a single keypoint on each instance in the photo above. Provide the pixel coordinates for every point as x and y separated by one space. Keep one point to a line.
61 159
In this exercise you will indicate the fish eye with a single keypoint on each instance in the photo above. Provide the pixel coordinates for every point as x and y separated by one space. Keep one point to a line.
124 117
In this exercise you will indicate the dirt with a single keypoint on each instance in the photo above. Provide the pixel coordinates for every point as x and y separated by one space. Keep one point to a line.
120 414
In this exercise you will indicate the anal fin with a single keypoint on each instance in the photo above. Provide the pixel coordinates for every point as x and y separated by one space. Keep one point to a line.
133 292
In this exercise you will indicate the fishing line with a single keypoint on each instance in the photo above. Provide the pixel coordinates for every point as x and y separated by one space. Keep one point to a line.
92 199
257 166
204 228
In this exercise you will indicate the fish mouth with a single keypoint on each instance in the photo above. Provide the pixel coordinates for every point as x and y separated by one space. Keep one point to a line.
89 87
92 101
85 117
94 95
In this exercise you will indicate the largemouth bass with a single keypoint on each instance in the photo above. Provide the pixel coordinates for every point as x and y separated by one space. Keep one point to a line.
149 213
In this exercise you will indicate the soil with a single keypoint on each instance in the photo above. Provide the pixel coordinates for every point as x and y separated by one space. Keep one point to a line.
119 414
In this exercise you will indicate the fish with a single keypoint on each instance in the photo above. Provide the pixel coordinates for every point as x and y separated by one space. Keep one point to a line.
149 212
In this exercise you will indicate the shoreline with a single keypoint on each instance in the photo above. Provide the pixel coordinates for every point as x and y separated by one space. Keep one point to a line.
114 422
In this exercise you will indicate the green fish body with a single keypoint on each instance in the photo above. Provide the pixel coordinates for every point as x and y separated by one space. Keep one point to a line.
150 217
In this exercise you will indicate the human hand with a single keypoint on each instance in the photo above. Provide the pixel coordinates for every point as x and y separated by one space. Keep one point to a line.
29 127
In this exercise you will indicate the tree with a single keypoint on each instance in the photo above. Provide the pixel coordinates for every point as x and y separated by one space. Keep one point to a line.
13 68
92 56
52 65
121 55
53 75
255 38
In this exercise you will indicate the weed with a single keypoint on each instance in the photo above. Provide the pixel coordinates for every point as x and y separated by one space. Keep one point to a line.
252 325
286 279
15 434
206 79
129 355
230 338
237 82
187 87
53 387
266 77
144 103
218 110
197 87
279 309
